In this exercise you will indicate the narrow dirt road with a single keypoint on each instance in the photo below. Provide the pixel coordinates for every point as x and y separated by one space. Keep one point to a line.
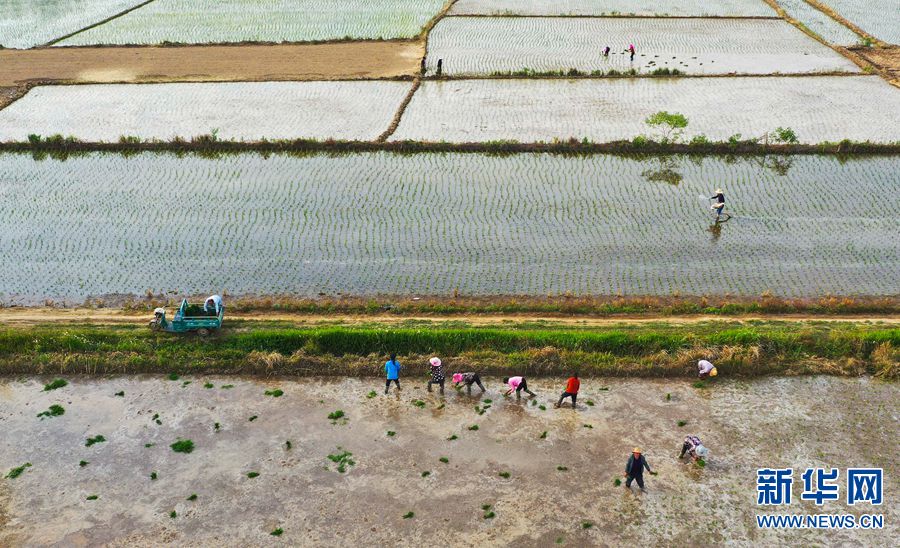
34 316
238 63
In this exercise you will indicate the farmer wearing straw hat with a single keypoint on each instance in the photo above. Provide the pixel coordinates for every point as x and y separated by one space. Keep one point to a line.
706 369
719 205
437 373
694 448
634 469
468 379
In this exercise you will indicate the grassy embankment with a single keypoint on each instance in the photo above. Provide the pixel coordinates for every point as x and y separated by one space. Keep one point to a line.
645 350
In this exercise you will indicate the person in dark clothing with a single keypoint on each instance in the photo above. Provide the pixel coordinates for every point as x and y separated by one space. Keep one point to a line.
719 205
606 51
437 374
634 470
518 384
440 67
468 379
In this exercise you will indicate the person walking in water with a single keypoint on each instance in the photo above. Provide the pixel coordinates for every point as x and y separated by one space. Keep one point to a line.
468 379
631 50
606 51
634 469
437 373
572 386
518 384
719 204
392 372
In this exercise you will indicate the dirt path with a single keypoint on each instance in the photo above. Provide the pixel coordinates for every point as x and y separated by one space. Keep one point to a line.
33 316
886 59
331 61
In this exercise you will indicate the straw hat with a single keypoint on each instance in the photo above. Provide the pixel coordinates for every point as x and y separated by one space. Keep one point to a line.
718 191
435 362
713 372
636 450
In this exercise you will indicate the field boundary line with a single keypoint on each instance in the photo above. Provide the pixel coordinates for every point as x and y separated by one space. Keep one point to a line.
620 16
395 122
97 24
680 76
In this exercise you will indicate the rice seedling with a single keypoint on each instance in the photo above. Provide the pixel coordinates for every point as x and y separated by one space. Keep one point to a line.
504 475
489 515
148 445
227 386
252 418
485 507
418 403
445 460
542 407
91 497
288 445
53 411
682 423
587 426
277 532
342 459
54 384
192 498
17 471
371 394
426 473
83 463
155 418
252 475
453 437
208 385
617 482
586 524
173 376
217 427
185 383
391 433
473 428
562 469
543 435
409 515
153 476
589 403
277 393
668 397
699 384
183 446
96 439
120 394
173 514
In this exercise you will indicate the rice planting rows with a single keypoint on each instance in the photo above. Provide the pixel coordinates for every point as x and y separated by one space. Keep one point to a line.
435 223
29 23
682 8
357 110
485 45
818 108
820 23
880 18
217 21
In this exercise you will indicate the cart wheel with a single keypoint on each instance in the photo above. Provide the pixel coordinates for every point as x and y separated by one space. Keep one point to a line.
154 325
203 332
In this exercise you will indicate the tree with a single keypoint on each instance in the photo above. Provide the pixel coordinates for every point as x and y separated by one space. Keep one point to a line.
671 125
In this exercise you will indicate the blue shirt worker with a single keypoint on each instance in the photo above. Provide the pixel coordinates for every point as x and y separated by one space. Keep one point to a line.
392 372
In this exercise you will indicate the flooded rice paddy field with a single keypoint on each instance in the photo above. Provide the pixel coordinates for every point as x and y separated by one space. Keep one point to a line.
880 18
383 223
29 23
683 8
817 108
556 482
485 45
820 23
216 21
356 110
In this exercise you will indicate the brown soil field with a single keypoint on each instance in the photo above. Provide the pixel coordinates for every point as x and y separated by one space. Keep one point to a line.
327 61
774 422
886 59
35 316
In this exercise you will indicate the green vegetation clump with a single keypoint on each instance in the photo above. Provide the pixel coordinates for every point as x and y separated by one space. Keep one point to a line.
426 473
445 460
562 468
173 376
453 437
589 403
277 393
543 435
342 459
153 476
183 446
682 423
504 475
208 385
371 394
193 497
409 515
252 475
335 415
617 482
253 418
391 433
120 394
418 403
96 439
54 384
173 514
54 411
83 463
474 427
489 515
586 525
227 386
277 532
92 497
17 471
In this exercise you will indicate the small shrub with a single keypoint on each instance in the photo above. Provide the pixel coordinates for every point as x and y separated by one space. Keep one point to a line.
671 125
699 140
54 411
54 384
784 135
96 439
18 471
183 446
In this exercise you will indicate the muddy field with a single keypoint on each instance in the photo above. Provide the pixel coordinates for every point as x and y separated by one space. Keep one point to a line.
771 422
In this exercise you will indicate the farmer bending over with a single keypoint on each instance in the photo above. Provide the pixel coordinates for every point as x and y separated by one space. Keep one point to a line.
706 369
437 374
468 379
572 386
694 448
392 372
518 384
634 469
